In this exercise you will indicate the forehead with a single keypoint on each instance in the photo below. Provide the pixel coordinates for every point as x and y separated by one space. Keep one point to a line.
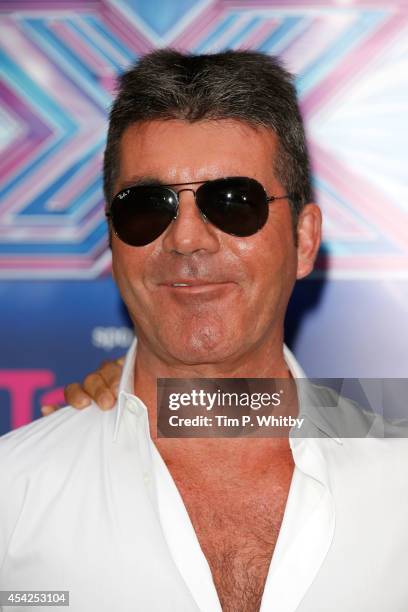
181 151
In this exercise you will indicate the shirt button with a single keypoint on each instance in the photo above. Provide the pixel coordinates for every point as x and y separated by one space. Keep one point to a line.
133 407
146 478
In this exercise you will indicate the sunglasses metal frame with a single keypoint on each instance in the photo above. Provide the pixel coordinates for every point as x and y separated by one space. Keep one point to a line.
169 186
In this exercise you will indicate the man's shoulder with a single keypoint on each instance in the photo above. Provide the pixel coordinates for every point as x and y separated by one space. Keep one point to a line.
51 438
343 417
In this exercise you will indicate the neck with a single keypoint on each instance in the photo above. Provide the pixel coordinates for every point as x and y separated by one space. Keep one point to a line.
264 361
238 454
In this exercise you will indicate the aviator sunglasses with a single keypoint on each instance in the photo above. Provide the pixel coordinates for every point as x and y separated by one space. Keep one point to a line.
236 205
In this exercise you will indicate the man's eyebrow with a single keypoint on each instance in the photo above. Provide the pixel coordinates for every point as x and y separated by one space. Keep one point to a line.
136 181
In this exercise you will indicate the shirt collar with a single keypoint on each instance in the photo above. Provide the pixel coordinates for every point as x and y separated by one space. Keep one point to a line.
126 385
309 402
309 399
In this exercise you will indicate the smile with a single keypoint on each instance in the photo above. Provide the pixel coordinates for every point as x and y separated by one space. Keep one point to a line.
198 287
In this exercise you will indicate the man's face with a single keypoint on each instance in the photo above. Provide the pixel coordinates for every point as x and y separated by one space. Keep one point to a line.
244 284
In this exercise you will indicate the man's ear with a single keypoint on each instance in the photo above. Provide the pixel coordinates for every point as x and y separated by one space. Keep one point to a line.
309 228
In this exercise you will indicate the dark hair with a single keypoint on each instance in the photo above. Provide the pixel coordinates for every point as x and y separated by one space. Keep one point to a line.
243 85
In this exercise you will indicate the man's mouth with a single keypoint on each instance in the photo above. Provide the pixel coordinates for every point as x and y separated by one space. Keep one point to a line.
195 283
198 286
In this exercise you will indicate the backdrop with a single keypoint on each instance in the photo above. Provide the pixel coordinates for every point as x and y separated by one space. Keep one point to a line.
59 311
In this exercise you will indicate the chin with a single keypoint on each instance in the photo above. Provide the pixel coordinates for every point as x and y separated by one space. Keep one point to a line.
200 358
206 345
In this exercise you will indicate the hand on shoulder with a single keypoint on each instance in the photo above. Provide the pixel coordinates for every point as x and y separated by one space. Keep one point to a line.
100 386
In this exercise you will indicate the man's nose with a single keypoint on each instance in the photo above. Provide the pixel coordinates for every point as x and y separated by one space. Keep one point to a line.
190 232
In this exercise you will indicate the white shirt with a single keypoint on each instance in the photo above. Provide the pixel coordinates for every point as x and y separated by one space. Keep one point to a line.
88 505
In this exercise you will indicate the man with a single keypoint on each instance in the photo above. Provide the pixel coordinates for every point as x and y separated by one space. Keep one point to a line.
209 205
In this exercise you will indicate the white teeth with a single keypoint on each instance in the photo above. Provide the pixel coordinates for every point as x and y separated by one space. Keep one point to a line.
180 285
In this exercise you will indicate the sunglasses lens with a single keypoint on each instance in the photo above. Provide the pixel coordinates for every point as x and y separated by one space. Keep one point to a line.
237 206
141 214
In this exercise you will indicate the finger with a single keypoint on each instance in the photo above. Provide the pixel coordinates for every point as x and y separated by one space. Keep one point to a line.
46 410
76 396
95 386
120 361
111 372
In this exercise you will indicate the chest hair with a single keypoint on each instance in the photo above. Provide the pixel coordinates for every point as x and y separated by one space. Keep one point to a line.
237 533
